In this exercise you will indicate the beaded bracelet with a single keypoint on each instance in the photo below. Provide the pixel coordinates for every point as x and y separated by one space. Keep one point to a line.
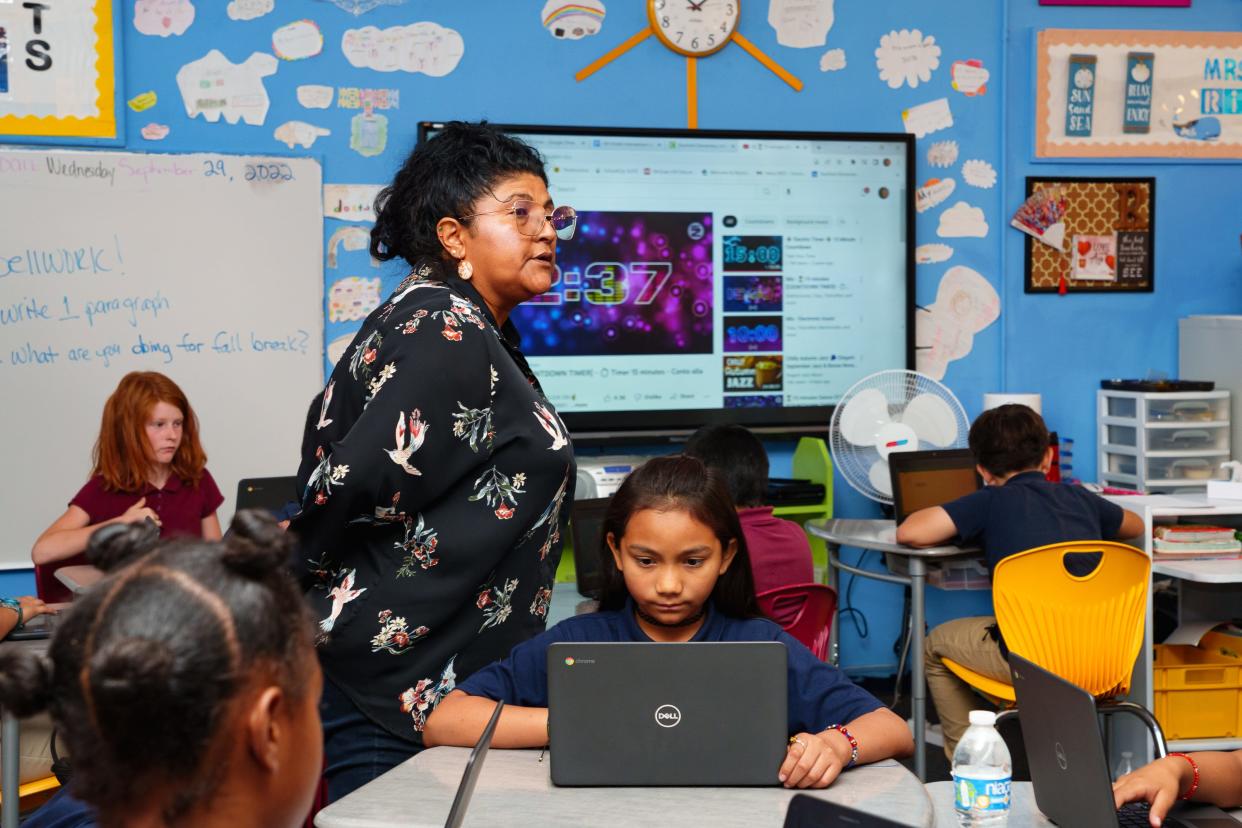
16 606
853 743
1194 768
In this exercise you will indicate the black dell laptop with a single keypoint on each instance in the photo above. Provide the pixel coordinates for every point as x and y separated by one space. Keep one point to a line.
657 714
930 478
1069 767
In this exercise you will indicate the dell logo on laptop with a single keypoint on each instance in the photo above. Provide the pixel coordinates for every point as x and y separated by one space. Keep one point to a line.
667 715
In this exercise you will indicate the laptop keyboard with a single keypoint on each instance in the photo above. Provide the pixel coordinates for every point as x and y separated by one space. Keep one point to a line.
1134 815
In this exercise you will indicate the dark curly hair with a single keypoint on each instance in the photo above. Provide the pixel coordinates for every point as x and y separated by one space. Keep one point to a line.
143 667
444 176
679 481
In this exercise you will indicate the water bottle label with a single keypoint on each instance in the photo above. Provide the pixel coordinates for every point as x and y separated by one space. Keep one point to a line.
986 795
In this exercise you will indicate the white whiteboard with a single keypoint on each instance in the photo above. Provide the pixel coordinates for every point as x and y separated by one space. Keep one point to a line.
207 268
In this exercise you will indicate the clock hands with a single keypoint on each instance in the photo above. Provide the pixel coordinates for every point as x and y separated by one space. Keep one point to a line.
693 6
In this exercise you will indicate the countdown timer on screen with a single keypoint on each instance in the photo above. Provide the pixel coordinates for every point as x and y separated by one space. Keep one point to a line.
628 283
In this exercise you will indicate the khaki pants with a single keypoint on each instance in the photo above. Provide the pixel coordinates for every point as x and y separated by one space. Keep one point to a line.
36 749
966 641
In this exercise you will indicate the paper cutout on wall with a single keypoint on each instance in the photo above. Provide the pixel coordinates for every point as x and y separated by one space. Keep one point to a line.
350 202
962 221
906 57
360 7
572 21
299 133
212 86
942 154
154 132
801 24
163 17
933 192
969 77
249 9
337 347
142 102
928 117
832 60
368 134
979 174
352 298
932 253
966 303
298 40
315 96
419 47
352 97
351 237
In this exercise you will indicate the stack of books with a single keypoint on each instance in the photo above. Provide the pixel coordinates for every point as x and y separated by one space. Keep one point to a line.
1191 541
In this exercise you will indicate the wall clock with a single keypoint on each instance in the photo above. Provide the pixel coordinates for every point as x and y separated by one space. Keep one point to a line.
695 30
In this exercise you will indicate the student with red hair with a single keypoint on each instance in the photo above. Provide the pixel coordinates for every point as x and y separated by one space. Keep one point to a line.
148 465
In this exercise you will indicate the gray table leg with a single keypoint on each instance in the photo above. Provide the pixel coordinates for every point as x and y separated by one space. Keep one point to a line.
918 682
10 733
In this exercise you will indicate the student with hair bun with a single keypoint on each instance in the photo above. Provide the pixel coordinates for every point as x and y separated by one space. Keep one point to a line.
184 685
147 464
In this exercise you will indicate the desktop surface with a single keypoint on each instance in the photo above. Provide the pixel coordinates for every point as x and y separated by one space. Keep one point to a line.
515 788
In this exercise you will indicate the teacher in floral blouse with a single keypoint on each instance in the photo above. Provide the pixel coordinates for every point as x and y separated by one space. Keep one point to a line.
437 475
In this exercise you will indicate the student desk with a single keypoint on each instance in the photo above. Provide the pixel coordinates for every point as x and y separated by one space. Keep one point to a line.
881 536
514 788
1022 810
11 758
79 578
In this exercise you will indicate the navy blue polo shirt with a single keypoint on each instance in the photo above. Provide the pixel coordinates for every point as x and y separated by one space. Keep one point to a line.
1029 511
819 694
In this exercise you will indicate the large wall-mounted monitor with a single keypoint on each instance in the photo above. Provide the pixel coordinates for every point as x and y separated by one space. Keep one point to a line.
743 276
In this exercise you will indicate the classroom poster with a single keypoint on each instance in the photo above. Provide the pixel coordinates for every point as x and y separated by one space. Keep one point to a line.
1153 94
57 74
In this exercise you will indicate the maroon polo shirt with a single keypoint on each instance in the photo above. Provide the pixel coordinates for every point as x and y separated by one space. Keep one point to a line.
780 554
181 508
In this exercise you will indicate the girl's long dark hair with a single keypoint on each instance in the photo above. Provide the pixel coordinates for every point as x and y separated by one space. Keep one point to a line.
685 483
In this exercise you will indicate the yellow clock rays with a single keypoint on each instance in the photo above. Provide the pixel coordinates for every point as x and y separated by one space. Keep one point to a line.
694 29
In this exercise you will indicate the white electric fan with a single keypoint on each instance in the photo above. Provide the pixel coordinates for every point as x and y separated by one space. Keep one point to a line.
888 412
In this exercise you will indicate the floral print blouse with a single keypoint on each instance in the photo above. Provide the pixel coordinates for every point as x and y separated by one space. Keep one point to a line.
437 486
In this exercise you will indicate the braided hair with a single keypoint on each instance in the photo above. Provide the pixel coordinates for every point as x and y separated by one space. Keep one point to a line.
142 668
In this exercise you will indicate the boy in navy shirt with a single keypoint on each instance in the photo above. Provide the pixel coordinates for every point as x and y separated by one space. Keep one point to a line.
1018 509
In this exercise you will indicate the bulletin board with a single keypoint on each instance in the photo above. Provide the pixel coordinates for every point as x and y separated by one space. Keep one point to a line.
1110 236
1138 94
58 70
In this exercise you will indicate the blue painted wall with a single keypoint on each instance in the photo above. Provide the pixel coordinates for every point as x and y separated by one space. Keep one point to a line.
514 71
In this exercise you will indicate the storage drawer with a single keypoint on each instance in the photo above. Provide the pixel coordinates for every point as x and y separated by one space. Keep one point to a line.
1187 439
1122 463
1184 468
1187 411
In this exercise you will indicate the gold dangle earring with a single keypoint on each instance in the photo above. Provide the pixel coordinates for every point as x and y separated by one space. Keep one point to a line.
465 270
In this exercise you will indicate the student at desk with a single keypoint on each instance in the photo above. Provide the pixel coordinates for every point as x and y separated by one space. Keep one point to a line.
1018 509
148 464
675 569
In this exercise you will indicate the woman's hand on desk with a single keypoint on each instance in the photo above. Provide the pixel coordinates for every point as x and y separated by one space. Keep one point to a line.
814 760
1158 784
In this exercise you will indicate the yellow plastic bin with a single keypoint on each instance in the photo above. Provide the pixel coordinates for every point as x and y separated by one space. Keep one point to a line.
1198 691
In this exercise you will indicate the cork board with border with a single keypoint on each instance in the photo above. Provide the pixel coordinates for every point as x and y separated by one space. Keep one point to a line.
1097 208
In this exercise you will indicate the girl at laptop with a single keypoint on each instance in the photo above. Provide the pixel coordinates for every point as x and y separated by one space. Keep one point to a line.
1214 777
675 569
148 464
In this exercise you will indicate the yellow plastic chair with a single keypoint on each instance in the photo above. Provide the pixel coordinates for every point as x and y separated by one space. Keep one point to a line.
1086 629
32 788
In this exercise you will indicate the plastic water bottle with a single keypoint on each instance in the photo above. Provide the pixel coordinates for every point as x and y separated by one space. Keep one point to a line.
981 774
1126 765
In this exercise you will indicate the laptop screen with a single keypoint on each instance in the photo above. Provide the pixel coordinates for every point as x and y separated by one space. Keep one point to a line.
586 524
930 478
